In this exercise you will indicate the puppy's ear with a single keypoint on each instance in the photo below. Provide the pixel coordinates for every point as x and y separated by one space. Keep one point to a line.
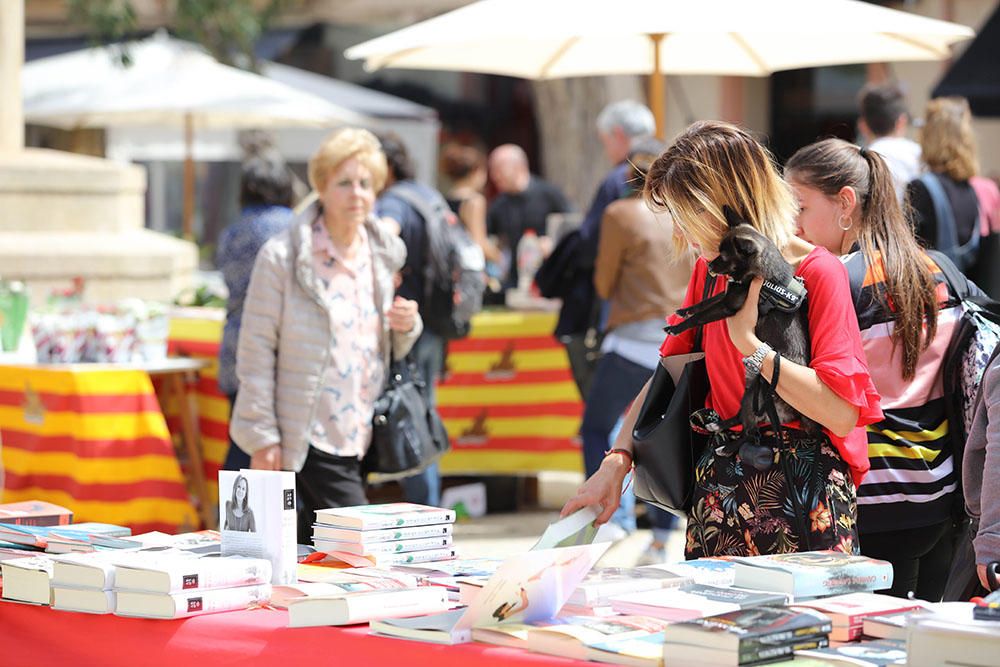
732 217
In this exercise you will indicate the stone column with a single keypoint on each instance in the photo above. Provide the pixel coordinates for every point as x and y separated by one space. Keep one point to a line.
11 60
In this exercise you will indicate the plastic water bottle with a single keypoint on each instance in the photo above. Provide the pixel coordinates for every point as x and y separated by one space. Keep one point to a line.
529 258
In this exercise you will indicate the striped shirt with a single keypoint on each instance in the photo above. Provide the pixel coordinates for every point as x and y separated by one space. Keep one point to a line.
912 478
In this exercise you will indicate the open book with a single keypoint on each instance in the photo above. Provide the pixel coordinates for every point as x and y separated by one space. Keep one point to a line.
526 587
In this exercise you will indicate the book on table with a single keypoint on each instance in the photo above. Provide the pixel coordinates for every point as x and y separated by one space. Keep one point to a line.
383 517
869 653
642 651
577 528
87 600
257 517
375 548
950 635
567 636
28 579
170 572
190 603
708 571
526 587
35 513
812 573
743 637
353 536
458 567
605 582
848 612
348 559
350 608
693 601
39 537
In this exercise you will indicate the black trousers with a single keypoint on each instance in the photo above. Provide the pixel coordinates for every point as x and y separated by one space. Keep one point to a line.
920 557
326 481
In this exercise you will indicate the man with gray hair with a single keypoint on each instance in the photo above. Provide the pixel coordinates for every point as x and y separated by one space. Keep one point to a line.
619 125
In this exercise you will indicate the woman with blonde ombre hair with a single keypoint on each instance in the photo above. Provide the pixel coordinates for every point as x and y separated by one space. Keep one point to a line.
945 210
319 322
801 496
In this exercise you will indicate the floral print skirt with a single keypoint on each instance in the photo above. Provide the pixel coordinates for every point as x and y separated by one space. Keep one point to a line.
738 510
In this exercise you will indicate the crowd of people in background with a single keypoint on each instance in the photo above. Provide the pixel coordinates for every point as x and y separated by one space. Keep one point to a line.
323 299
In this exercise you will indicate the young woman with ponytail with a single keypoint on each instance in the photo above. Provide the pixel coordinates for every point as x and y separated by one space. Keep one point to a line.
847 204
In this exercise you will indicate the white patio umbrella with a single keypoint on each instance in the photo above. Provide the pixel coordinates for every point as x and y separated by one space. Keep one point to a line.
171 83
547 39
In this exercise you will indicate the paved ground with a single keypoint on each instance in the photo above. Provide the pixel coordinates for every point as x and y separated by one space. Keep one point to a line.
515 532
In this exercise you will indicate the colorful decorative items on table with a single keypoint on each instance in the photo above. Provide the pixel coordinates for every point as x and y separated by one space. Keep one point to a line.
129 331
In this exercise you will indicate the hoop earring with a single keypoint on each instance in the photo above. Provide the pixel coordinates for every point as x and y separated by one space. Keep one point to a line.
840 224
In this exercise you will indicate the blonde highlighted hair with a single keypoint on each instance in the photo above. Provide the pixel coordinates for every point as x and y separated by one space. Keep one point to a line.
946 140
715 164
341 145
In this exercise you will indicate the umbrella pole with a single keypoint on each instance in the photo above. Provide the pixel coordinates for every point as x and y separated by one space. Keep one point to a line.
656 91
187 228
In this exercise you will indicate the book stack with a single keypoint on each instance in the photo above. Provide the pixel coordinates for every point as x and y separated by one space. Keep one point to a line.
389 534
35 513
177 584
812 574
746 637
84 582
77 537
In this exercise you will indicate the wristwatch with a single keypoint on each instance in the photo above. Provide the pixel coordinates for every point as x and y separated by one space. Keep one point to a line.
754 362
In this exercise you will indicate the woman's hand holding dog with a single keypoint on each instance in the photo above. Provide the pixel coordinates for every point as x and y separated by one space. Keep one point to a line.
604 488
742 324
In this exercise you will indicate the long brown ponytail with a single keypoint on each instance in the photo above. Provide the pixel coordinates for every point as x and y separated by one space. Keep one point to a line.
832 164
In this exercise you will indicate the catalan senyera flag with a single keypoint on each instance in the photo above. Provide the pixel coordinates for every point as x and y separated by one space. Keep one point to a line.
200 337
508 398
94 440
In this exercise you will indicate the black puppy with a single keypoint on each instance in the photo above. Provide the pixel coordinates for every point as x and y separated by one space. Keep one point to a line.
745 254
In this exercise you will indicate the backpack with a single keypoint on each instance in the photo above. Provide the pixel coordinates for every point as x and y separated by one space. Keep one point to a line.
972 345
454 271
946 241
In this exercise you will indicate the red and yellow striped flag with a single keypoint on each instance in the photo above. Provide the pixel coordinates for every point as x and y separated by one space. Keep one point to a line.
93 440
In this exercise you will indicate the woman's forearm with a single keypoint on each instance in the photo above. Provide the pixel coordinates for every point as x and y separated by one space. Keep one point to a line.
802 389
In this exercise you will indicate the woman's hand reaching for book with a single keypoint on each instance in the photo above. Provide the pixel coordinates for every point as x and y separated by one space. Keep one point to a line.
604 488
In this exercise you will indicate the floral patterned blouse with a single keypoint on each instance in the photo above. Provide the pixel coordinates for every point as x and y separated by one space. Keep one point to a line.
353 380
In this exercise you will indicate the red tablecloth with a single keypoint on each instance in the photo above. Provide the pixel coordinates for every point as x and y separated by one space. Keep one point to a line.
40 636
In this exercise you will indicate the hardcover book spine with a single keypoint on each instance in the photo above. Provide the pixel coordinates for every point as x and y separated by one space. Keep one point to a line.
401 546
404 521
376 536
414 557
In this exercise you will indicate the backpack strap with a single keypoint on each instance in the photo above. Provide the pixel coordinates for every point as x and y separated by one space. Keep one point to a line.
425 204
958 284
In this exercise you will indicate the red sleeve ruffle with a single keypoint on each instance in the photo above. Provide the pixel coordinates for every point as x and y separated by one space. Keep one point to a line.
849 379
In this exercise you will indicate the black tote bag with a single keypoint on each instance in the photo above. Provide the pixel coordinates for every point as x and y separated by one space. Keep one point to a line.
407 434
664 446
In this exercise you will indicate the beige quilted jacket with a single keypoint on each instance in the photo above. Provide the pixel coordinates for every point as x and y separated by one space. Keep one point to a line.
285 339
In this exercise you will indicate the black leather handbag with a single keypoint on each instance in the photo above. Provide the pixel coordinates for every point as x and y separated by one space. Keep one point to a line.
664 446
407 434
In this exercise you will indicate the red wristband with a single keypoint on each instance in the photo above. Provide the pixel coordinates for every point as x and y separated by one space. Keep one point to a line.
619 450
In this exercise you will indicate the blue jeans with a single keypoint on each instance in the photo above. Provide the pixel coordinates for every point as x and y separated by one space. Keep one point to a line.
428 356
616 382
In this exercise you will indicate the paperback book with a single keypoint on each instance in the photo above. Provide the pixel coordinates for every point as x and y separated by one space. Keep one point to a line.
871 653
383 517
390 559
86 600
526 587
375 536
577 528
35 513
190 603
642 651
27 579
257 516
744 637
375 548
693 601
172 572
708 571
365 606
848 612
606 582
567 636
812 573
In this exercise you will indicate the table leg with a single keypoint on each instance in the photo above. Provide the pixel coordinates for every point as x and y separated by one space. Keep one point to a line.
192 446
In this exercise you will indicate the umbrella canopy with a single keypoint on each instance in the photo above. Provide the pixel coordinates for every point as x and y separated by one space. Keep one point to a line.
543 39
171 83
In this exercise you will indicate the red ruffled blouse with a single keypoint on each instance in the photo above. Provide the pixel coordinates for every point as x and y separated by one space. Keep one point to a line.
837 355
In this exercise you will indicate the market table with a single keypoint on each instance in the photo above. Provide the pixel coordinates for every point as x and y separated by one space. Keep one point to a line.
93 438
43 637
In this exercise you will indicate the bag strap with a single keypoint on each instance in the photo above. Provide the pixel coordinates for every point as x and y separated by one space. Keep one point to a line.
705 293
958 284
425 209
946 236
